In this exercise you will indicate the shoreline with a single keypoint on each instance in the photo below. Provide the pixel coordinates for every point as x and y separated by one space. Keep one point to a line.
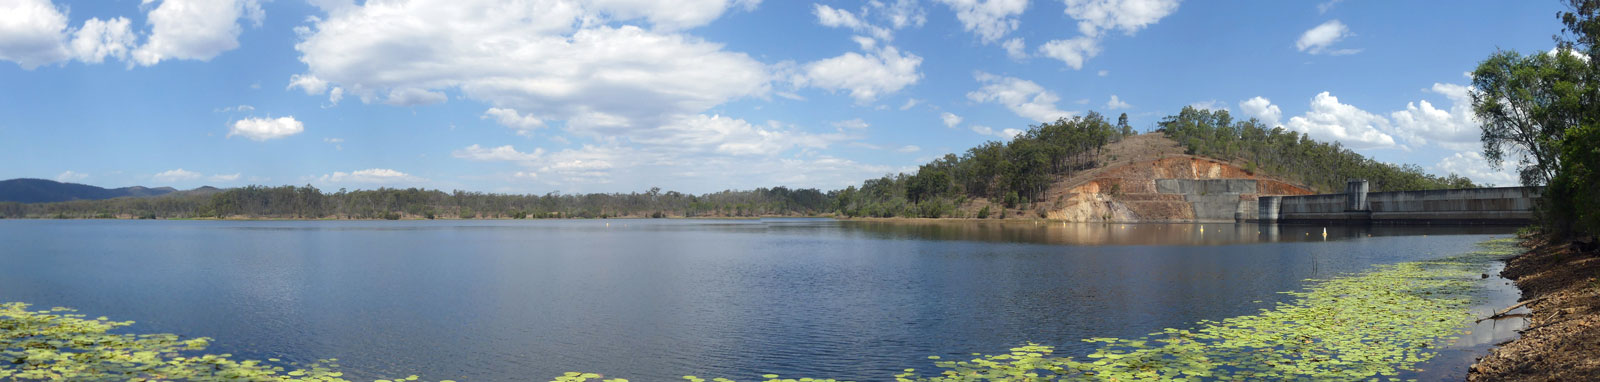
1562 340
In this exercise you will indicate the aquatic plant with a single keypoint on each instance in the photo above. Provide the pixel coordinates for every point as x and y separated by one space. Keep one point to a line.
1376 324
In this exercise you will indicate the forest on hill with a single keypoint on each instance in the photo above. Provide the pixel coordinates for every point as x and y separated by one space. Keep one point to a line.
1008 174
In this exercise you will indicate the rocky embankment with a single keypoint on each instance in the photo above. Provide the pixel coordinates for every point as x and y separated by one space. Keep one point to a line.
1562 342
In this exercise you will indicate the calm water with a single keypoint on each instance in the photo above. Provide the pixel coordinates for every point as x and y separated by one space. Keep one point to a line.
653 300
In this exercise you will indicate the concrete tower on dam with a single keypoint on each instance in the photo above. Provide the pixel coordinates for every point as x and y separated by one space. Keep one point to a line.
1498 205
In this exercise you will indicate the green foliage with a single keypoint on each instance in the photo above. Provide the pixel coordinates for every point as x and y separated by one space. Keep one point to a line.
1573 197
1323 167
983 213
1011 200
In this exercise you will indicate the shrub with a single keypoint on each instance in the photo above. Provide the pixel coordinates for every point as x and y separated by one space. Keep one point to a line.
983 213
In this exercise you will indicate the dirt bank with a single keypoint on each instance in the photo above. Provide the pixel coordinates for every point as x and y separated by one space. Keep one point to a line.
1562 342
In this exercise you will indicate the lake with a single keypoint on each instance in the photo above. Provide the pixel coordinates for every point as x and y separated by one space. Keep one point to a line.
653 300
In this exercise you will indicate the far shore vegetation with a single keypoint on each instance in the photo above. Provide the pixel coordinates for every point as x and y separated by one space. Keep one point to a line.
1008 179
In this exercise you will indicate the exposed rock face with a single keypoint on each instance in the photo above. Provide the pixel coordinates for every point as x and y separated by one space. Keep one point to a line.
1170 189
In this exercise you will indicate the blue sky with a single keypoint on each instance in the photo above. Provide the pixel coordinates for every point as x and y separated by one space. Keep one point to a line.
538 96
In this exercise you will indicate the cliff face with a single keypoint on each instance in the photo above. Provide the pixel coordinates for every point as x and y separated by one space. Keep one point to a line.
1205 190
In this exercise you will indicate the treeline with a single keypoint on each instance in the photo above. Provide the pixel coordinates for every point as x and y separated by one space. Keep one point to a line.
1013 173
1294 156
291 202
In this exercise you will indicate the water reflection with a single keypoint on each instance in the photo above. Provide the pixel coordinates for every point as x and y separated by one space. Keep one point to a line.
1148 234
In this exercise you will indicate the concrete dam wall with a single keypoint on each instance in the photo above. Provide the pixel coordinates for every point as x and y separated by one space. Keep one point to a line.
1501 205
1214 200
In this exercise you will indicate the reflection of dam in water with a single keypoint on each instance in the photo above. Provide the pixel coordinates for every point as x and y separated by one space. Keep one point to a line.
1501 205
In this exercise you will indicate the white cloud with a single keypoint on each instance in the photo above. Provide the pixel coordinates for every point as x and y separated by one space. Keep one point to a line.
1455 129
310 84
1004 134
1095 17
1209 105
99 39
1473 166
262 129
225 177
1262 109
35 33
414 97
902 13
717 134
31 33
851 124
1103 73
176 175
950 119
1015 48
552 58
333 140
839 18
195 29
335 95
1330 120
1116 103
989 19
910 103
1072 51
1326 5
1317 40
1023 97
502 153
371 176
71 176
523 124
527 175
908 149
866 77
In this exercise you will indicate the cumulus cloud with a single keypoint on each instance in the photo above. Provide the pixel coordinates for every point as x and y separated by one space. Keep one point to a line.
1330 120
1096 17
989 19
225 177
1116 103
176 175
950 119
523 124
262 129
195 29
1320 39
1473 166
1023 97
502 153
839 18
35 33
865 76
1074 52
371 176
902 13
98 39
1456 128
547 58
71 176
1129 16
1262 109
1015 48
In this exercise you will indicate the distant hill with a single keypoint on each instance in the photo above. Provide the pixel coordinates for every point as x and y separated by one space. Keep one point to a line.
45 191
